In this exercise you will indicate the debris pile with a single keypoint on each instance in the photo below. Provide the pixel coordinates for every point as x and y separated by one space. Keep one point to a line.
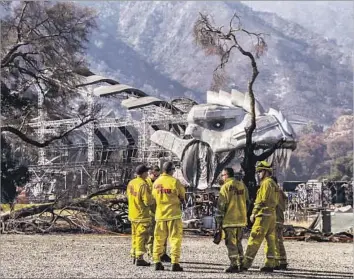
96 213
306 234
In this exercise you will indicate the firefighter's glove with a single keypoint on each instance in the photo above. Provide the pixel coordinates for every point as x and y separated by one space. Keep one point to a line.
252 218
217 236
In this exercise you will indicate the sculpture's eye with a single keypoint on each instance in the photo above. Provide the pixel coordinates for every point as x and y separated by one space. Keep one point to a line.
217 124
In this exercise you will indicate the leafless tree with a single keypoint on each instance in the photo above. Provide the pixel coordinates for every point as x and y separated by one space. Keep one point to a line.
218 41
42 47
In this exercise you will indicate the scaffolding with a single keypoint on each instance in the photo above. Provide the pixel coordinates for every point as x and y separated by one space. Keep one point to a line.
314 196
97 164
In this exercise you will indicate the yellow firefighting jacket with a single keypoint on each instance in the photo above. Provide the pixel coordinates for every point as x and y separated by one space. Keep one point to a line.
247 194
139 200
150 183
231 207
281 207
168 193
267 198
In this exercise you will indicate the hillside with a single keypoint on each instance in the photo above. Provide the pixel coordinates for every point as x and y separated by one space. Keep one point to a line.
150 45
326 153
334 20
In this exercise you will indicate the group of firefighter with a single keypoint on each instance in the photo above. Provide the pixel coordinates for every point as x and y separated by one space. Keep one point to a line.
155 212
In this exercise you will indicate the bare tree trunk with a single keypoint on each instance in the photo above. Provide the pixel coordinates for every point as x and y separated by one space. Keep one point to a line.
217 42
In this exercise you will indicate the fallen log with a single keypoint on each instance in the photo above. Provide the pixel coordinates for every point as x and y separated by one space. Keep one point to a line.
85 214
25 212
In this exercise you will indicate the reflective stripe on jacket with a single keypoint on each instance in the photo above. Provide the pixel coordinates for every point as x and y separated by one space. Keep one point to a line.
149 182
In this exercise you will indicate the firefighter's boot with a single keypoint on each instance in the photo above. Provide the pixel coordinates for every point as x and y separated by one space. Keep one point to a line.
141 262
283 266
159 266
242 268
176 267
266 269
232 269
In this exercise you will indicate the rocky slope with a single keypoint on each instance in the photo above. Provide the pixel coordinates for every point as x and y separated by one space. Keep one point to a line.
150 45
334 20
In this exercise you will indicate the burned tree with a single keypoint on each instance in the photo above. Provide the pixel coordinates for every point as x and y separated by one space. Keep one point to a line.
42 48
215 41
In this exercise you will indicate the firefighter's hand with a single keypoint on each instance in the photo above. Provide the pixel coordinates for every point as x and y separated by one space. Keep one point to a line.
252 218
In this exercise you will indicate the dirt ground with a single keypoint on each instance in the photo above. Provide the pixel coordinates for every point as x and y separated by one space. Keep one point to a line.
107 256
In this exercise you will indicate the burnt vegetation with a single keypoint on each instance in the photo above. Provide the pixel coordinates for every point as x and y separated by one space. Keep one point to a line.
42 49
223 42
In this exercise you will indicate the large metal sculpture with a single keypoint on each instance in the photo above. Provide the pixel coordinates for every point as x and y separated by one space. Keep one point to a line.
216 134
204 137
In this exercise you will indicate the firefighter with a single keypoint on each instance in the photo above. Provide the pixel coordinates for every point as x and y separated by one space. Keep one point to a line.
232 217
263 217
140 203
153 175
280 253
168 193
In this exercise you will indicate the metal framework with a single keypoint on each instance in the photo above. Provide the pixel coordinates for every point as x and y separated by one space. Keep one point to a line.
95 164
315 195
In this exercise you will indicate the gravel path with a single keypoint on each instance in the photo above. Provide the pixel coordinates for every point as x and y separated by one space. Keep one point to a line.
90 256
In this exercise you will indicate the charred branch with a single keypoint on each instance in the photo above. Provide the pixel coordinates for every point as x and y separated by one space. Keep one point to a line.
86 215
36 143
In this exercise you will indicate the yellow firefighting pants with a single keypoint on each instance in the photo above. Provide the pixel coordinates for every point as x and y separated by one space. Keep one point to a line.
140 235
173 231
233 242
263 227
150 242
280 254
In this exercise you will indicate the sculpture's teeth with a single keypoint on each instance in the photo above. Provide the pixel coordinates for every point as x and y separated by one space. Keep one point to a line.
278 156
289 152
282 157
287 157
270 159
